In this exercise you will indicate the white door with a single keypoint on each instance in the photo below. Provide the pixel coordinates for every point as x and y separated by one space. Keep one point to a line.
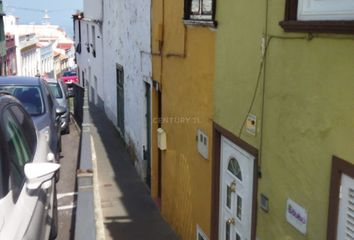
236 188
345 228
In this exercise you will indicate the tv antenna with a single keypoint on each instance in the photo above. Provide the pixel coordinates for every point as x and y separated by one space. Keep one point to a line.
45 12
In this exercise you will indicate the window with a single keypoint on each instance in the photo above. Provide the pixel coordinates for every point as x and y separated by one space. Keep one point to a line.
234 168
27 127
325 10
319 16
18 152
50 99
199 12
87 38
78 47
120 98
29 96
93 44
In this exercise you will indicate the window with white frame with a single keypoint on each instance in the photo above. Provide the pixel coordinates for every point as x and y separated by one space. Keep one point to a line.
329 16
199 11
325 10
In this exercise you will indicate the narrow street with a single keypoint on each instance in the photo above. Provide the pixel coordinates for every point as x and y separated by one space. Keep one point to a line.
194 119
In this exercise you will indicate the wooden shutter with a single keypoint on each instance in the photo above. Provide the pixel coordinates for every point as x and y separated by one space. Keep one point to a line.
345 228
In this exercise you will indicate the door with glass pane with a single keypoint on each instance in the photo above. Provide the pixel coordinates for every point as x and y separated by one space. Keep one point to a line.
236 188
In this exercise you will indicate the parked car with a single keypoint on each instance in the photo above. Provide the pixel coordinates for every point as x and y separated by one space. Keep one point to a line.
69 77
28 203
61 93
37 99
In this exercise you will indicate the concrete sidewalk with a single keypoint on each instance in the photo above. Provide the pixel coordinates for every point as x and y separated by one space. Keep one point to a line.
126 210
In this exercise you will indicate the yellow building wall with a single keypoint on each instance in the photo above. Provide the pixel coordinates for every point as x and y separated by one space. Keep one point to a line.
183 64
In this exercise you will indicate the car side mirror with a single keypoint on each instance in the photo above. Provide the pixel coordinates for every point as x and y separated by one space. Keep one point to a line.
59 110
39 173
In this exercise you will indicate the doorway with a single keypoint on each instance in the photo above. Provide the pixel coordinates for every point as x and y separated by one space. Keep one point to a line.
147 147
120 98
236 184
234 187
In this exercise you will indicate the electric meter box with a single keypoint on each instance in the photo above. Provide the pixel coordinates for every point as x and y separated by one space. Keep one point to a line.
161 139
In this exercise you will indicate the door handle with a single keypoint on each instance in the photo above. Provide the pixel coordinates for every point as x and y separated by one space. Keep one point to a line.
230 221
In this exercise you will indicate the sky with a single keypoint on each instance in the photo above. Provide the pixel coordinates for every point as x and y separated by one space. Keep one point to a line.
32 11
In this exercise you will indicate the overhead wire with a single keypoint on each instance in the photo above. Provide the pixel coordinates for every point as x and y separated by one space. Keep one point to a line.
266 40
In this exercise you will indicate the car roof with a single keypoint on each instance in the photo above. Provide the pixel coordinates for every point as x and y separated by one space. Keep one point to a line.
15 80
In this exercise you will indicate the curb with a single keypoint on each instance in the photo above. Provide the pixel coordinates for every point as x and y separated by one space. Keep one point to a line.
85 222
97 198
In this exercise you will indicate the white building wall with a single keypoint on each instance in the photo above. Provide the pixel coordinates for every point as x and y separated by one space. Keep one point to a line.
46 34
93 9
30 62
86 61
126 36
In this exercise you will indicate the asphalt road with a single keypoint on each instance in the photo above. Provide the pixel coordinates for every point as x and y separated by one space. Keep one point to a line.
66 190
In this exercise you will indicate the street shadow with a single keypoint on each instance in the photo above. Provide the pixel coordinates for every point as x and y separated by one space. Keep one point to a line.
132 215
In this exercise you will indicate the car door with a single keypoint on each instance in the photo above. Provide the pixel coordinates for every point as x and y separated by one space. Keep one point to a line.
24 211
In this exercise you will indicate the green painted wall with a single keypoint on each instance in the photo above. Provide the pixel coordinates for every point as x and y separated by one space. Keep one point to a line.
308 109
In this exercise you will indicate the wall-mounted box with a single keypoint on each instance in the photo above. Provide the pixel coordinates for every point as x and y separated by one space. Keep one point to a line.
264 203
251 124
161 139
202 143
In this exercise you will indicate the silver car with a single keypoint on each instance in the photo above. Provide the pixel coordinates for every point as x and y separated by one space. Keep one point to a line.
61 94
37 99
28 205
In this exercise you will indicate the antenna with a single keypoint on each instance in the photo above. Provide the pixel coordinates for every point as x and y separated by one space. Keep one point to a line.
46 18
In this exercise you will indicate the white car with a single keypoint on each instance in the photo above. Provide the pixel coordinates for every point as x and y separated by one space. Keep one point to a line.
28 206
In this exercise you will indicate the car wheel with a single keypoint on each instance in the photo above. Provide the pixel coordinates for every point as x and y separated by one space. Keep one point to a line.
54 225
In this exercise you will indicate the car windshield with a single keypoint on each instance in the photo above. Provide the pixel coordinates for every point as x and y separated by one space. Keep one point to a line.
69 74
30 97
56 90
